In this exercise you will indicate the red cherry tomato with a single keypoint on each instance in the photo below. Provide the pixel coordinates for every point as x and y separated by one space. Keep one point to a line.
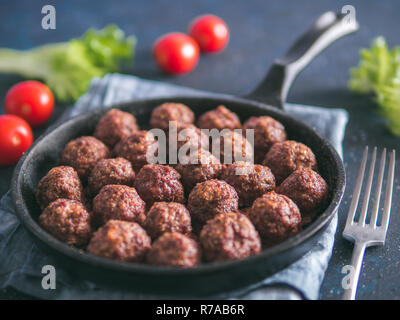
176 53
30 100
210 32
15 137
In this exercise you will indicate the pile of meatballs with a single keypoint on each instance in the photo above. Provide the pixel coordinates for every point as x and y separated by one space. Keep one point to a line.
106 198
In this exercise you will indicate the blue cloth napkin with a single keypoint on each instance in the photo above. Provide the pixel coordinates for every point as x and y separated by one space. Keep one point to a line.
21 261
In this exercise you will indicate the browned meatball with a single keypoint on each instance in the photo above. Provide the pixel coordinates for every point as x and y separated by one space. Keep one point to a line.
229 236
167 217
249 180
219 118
211 197
120 203
183 141
83 153
233 147
120 240
285 157
59 182
307 189
135 148
174 249
169 111
114 126
68 221
190 135
156 182
199 167
267 131
276 217
110 171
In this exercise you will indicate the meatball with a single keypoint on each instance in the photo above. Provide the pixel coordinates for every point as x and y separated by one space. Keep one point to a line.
114 126
211 197
185 140
174 249
199 167
276 217
233 147
267 131
167 217
219 118
250 181
156 182
307 189
163 114
135 148
120 203
229 236
191 136
285 157
59 182
83 153
120 240
110 171
68 221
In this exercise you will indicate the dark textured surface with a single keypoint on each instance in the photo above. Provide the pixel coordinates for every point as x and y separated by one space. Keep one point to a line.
260 31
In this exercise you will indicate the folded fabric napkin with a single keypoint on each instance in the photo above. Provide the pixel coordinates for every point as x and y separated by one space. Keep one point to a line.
22 261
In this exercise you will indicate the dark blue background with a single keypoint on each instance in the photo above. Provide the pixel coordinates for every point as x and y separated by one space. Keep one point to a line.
260 31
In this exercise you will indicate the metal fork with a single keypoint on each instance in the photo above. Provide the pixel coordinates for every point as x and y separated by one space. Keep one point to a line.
368 234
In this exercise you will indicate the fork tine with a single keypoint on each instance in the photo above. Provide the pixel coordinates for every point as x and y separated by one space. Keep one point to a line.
364 236
389 190
375 210
363 214
357 190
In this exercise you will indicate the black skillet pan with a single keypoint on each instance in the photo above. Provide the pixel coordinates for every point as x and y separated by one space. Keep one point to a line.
267 99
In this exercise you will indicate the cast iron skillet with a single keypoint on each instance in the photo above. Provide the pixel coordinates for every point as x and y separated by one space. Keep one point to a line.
213 277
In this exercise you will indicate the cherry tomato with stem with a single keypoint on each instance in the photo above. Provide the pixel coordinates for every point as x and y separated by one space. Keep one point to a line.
210 32
15 138
176 53
30 100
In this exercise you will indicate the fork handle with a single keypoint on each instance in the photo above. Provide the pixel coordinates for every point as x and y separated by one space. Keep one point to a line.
356 262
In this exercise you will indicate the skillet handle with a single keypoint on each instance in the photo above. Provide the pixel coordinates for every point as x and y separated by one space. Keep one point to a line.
326 29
